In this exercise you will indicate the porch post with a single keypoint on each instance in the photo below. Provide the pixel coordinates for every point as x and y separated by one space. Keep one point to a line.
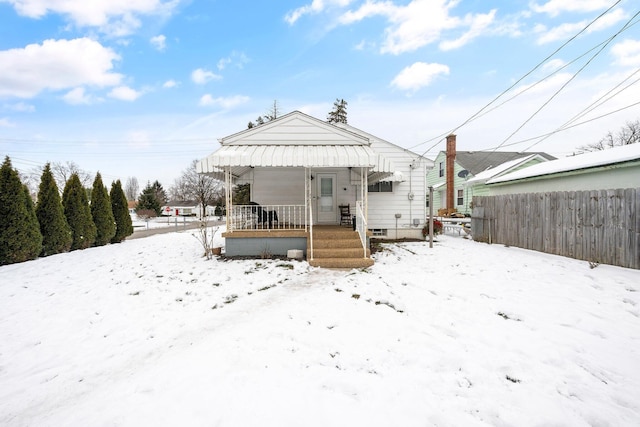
228 198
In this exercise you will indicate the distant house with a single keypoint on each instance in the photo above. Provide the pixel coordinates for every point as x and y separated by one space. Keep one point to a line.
310 182
615 168
132 205
470 172
187 208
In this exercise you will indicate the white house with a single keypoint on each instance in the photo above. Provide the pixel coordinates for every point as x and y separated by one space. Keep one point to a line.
300 171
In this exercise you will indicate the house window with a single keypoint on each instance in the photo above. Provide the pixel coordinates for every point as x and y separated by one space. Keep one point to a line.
381 187
460 197
441 173
427 199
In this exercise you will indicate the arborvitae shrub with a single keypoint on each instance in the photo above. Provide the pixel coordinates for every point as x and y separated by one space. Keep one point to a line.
120 209
78 214
20 238
101 212
56 233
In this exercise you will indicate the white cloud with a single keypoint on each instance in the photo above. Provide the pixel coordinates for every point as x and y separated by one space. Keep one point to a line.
115 17
77 96
316 6
553 65
6 123
418 75
56 65
239 59
20 107
158 42
124 93
477 26
627 53
567 30
170 83
201 76
555 7
419 23
226 103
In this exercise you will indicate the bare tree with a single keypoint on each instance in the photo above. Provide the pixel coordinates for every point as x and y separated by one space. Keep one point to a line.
192 185
272 114
132 188
63 171
628 134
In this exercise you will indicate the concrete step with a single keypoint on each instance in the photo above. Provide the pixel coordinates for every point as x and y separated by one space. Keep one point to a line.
336 243
339 252
341 262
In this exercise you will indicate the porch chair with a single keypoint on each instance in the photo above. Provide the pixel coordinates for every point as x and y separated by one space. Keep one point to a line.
345 215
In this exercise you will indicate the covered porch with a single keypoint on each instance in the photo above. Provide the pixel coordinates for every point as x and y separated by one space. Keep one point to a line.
299 171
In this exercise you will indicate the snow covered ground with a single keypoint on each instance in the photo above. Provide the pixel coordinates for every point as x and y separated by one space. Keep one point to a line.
149 333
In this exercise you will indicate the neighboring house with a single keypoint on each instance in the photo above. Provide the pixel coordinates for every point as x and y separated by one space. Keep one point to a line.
300 171
614 168
187 208
132 204
471 170
180 208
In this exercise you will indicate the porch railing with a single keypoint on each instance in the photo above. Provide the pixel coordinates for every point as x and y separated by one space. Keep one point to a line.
361 225
267 217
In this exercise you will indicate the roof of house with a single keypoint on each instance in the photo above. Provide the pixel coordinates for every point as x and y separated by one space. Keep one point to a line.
295 140
178 203
625 153
503 168
478 161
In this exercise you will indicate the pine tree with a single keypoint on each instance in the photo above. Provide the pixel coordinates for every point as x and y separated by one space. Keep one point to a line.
56 233
101 212
20 238
150 198
339 112
120 210
78 214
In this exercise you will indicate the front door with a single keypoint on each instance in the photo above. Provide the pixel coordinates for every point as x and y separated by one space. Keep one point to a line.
326 208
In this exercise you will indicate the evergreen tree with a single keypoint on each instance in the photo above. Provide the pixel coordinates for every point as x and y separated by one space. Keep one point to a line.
56 233
78 214
120 210
149 200
33 228
20 238
339 112
101 212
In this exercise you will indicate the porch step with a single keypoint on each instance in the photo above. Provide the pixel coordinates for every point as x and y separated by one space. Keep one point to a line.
342 262
338 247
338 252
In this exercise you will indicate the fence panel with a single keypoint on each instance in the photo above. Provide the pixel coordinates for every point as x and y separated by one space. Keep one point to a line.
597 226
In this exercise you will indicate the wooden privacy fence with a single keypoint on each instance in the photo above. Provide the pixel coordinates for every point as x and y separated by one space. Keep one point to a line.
600 226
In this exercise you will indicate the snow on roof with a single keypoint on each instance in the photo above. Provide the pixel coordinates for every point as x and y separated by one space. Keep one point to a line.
490 173
594 159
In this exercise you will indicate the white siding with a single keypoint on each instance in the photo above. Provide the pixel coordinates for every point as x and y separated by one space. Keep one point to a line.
588 179
383 207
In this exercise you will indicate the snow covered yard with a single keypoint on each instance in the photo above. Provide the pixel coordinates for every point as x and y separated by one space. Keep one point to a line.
148 332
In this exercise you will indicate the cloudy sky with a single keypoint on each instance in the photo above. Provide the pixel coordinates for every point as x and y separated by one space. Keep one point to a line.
142 87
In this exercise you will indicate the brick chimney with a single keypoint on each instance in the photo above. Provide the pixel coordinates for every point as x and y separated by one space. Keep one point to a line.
450 165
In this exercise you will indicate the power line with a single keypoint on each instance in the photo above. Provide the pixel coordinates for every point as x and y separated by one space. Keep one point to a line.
569 81
439 137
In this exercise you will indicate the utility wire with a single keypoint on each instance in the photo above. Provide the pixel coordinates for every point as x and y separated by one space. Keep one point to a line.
439 137
567 82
